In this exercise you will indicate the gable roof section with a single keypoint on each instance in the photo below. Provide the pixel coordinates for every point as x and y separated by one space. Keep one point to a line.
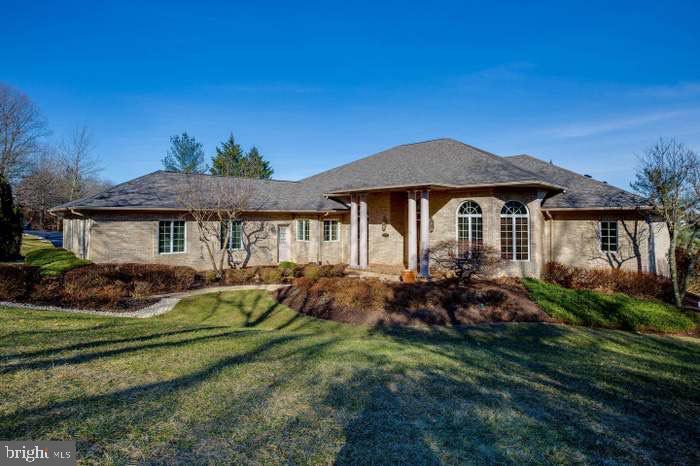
163 189
581 191
440 162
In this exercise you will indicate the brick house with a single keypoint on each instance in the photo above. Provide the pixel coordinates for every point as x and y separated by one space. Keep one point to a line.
383 212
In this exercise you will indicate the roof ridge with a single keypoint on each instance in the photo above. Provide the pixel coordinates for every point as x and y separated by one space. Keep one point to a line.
225 176
589 178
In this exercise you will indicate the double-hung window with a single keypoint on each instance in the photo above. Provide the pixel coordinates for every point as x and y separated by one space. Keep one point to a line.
171 236
303 229
234 231
608 236
330 230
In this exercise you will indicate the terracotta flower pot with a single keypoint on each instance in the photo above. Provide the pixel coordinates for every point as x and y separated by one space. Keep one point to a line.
408 276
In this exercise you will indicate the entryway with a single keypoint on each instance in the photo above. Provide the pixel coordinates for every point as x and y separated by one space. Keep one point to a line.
284 243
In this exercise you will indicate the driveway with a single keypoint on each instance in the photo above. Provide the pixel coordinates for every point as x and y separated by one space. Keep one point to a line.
55 237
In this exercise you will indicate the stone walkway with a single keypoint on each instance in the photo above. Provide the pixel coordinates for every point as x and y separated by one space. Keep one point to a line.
166 303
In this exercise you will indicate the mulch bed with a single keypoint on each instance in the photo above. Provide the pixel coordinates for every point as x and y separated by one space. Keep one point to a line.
376 303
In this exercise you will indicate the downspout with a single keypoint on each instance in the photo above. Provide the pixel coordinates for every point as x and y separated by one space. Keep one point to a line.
548 218
319 257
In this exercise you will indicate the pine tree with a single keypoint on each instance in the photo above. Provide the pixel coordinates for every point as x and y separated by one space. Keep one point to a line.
10 224
227 161
185 155
256 166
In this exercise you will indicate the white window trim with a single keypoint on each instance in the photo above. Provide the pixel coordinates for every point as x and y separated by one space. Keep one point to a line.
172 237
513 217
469 222
617 236
337 231
296 233
230 235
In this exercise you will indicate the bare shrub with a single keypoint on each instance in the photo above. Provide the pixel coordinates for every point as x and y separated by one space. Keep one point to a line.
464 260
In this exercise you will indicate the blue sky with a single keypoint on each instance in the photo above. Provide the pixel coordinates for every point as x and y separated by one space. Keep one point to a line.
313 85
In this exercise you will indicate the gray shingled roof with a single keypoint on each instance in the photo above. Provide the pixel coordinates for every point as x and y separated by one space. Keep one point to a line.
441 162
581 191
163 190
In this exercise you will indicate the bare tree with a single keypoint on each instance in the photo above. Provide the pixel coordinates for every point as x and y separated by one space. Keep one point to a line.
465 260
40 189
80 165
669 177
214 203
21 128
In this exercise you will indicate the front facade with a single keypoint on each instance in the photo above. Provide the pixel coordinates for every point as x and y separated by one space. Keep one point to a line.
385 212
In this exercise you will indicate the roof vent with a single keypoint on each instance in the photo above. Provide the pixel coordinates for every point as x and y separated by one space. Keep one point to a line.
588 176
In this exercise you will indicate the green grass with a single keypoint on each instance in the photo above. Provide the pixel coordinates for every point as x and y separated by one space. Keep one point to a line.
52 260
617 310
237 378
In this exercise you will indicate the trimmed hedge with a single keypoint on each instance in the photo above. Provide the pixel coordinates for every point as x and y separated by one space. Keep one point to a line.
639 284
17 281
107 286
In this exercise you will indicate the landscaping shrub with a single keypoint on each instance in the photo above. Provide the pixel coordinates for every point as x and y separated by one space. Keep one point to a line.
17 281
312 272
244 276
640 284
287 265
335 270
270 275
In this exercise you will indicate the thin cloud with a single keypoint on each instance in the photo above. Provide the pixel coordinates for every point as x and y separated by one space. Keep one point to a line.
590 128
679 90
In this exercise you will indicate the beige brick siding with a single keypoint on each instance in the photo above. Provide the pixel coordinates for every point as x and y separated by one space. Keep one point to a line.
575 241
568 237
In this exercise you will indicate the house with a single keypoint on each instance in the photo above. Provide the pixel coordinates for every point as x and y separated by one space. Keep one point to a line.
384 211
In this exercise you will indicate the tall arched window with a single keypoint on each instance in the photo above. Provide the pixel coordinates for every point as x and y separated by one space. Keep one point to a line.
515 232
470 230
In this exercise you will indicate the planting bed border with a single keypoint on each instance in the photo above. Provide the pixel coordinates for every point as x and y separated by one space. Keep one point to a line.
165 304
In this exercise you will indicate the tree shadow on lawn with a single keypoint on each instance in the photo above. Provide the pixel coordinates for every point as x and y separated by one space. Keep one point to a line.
592 405
502 394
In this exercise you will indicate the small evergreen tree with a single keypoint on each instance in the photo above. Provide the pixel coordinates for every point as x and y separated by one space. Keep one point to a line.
10 224
256 166
230 160
185 155
227 161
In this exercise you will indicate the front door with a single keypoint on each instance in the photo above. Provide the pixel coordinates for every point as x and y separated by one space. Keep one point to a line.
283 243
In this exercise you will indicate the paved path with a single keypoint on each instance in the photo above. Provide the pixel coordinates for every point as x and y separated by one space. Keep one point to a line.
167 302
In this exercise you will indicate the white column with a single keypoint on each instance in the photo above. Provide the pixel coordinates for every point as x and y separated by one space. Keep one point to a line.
412 236
363 231
424 234
353 231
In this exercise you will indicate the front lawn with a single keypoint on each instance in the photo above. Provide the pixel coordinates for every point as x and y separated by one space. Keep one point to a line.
52 260
615 310
238 378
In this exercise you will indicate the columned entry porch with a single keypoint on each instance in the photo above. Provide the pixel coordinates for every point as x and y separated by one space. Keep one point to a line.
417 239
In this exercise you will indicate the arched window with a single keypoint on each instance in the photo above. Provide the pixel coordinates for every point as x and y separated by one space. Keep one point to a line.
515 232
470 230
